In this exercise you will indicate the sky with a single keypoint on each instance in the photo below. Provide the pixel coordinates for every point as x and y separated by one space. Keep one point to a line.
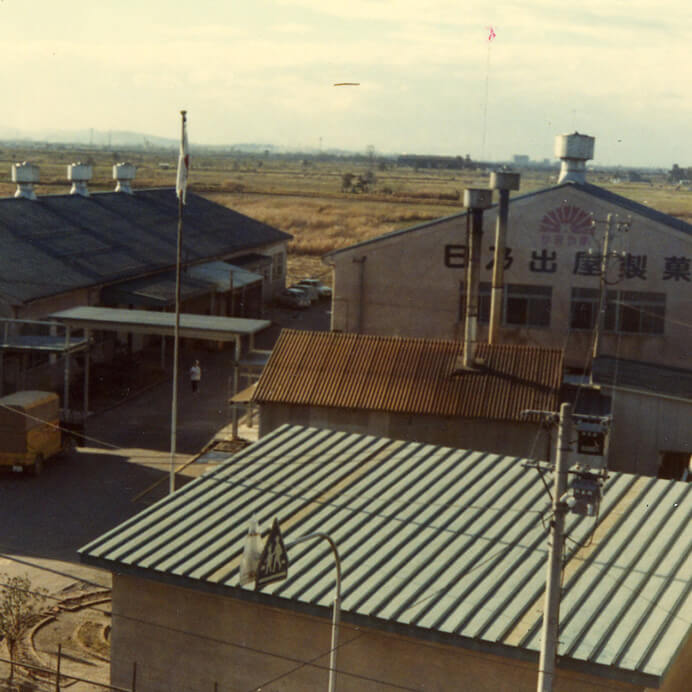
430 81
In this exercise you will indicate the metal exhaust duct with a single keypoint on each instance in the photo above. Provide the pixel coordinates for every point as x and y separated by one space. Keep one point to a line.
574 150
476 200
503 181
26 175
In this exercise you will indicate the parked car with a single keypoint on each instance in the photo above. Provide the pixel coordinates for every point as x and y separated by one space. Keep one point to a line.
321 290
293 298
308 291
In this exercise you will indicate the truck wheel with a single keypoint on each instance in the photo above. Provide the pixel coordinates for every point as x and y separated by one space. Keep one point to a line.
37 467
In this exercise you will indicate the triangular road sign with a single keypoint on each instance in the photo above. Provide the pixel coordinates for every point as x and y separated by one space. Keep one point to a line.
273 564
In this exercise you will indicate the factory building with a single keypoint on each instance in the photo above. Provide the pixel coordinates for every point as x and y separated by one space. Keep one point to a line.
411 282
118 249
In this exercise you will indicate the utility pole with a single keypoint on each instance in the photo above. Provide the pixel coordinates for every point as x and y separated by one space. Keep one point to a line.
551 608
600 315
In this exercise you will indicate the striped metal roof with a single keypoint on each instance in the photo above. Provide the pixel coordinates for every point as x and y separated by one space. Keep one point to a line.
407 375
436 543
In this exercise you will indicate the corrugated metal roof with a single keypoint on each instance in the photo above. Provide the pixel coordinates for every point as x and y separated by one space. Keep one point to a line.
651 377
407 375
434 542
58 243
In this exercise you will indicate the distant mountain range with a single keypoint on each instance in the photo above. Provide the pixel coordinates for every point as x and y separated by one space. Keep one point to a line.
98 138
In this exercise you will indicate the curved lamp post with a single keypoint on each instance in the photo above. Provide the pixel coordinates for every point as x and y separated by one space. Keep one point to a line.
252 552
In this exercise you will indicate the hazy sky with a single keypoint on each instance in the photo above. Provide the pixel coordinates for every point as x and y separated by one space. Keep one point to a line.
262 71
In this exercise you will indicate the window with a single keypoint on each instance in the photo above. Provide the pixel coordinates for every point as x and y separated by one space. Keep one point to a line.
527 306
635 312
483 302
584 308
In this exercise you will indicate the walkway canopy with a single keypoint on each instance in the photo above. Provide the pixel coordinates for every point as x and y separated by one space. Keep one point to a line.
209 327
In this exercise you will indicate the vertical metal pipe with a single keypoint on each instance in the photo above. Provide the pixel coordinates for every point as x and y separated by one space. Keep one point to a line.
551 609
504 181
498 268
473 275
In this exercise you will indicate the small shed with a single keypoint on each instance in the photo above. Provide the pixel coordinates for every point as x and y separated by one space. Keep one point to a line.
412 389
651 405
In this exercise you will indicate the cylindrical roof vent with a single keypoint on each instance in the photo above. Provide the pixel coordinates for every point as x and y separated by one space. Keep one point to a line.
504 180
574 150
124 174
26 175
79 174
478 198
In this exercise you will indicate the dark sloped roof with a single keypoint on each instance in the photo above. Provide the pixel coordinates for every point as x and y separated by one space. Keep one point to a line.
434 543
406 375
595 190
634 374
62 242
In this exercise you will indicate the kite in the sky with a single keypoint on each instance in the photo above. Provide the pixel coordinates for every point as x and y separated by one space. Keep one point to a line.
492 34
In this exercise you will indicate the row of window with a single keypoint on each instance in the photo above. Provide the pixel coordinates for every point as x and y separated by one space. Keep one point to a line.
635 312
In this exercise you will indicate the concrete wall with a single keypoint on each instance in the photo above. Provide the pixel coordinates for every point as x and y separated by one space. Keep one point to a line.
185 641
409 284
644 426
514 439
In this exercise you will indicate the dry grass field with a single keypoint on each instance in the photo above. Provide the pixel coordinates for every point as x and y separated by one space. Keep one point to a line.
304 196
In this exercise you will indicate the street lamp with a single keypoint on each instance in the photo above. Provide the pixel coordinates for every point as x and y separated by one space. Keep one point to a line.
254 566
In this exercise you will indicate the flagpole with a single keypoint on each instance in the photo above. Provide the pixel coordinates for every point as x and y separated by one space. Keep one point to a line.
180 190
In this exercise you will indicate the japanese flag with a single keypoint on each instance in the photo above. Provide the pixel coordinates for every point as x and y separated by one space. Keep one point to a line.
183 165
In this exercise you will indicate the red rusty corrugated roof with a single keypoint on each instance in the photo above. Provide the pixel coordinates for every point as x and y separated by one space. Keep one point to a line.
406 375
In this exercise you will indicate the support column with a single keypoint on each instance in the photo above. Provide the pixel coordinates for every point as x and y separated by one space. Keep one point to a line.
236 365
66 382
87 367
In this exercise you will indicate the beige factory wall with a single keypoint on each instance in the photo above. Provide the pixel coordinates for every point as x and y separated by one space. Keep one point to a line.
514 439
408 284
184 640
644 426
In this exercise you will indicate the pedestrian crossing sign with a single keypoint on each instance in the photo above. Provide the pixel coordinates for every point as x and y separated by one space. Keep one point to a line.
273 564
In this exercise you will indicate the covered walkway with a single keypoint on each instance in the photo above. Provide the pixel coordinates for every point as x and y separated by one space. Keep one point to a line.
206 327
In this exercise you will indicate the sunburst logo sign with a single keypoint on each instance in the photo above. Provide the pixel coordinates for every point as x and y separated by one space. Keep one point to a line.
567 225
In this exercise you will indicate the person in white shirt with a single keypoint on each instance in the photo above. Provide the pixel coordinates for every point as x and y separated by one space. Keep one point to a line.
195 376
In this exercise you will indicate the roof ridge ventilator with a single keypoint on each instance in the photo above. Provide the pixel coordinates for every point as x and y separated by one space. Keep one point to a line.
26 175
124 174
79 174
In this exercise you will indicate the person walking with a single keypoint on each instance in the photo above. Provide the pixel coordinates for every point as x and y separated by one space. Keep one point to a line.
195 376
